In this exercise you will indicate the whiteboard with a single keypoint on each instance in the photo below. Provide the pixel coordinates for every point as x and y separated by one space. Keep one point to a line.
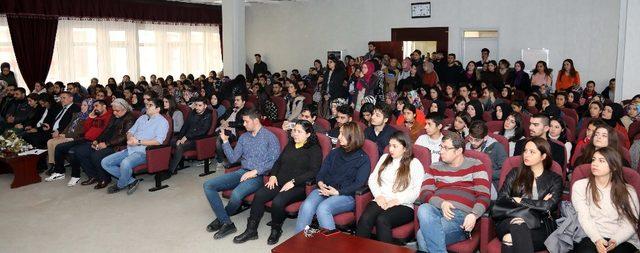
530 56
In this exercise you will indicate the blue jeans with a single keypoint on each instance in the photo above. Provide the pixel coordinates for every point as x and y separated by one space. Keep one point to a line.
323 208
240 191
436 232
120 165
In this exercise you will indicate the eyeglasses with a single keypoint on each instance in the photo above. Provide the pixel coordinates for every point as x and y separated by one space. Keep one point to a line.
442 147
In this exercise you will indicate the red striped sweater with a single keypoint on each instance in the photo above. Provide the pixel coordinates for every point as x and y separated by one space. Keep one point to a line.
467 187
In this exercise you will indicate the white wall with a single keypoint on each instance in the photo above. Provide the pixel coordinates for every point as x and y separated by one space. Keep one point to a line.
293 34
628 85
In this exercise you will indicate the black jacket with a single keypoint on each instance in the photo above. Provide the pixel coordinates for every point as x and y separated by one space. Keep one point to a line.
335 84
558 152
301 164
115 134
196 125
237 124
547 183
66 117
259 68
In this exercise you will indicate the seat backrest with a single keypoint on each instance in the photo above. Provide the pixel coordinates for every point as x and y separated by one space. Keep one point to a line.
167 139
501 140
308 98
583 171
495 125
486 116
570 136
448 122
423 155
185 110
404 129
356 116
448 113
214 122
226 104
283 139
634 130
325 144
371 149
564 150
361 125
136 114
569 122
323 123
571 113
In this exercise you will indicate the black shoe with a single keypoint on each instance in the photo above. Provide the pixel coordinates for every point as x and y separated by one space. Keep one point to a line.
133 186
113 189
214 225
225 229
274 237
251 233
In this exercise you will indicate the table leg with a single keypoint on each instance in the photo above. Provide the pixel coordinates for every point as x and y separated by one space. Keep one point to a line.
25 171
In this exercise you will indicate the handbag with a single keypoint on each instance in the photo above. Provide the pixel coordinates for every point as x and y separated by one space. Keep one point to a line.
507 208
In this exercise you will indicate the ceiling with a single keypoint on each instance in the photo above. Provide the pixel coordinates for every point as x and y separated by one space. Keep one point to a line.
219 2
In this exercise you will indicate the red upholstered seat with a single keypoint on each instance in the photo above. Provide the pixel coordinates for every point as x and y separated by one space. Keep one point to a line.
323 123
495 125
205 147
404 129
486 116
501 140
157 159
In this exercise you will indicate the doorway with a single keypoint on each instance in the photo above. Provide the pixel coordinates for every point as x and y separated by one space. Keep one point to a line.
406 40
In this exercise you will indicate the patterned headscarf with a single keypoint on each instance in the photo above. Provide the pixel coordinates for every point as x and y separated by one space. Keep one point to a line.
89 103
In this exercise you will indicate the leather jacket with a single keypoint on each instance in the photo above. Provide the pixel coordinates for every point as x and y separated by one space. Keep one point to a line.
547 182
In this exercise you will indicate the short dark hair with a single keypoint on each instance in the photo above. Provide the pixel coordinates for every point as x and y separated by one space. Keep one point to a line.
383 108
242 96
100 101
478 129
436 118
452 54
199 99
366 107
485 50
345 109
371 43
545 119
312 110
258 55
157 102
252 114
20 89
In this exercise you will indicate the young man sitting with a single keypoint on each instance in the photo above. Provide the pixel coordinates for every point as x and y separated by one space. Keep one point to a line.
257 150
433 138
380 132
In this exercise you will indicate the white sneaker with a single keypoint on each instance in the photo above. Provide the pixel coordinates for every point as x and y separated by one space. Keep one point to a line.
73 181
55 176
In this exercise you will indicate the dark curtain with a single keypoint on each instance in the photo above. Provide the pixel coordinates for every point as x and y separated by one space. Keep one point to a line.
33 39
142 10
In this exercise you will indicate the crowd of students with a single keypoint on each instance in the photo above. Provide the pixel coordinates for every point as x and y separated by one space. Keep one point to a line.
396 104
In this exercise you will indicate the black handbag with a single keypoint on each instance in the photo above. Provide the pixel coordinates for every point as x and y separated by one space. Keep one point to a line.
507 208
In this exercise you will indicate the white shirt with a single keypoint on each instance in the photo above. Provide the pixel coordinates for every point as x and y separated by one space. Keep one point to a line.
44 116
405 197
433 146
59 116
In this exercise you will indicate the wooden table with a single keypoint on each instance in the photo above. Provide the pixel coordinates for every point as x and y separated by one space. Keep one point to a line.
336 243
24 169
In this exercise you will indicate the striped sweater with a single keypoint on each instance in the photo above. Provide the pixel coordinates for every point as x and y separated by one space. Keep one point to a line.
467 187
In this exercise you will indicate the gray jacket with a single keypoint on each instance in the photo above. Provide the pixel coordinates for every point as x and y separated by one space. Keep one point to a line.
568 232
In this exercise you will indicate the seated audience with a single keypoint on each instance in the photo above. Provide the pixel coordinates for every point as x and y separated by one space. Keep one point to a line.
461 124
532 185
607 206
449 214
112 139
603 136
539 127
432 139
395 184
150 129
53 122
298 163
295 101
411 122
501 112
513 130
558 131
345 170
380 131
344 114
231 124
365 112
308 113
73 131
479 140
256 150
172 110
197 125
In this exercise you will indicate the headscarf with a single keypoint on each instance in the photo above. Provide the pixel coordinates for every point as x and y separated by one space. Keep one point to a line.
442 106
617 113
122 103
89 103
479 110
339 102
369 99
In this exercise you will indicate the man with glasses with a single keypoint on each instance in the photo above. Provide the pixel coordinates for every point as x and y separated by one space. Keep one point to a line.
459 188
149 130
479 140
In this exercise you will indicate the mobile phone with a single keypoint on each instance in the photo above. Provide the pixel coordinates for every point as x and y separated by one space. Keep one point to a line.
292 125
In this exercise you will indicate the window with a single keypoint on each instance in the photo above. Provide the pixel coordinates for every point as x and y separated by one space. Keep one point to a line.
480 34
6 51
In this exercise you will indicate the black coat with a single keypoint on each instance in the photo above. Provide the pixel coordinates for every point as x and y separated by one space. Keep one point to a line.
335 84
547 183
196 126
66 117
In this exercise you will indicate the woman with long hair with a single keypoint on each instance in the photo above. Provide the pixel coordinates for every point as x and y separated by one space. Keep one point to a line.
172 110
470 75
532 185
603 136
295 101
345 170
607 206
558 131
501 111
461 124
475 110
395 184
513 130
541 76
568 76
298 163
